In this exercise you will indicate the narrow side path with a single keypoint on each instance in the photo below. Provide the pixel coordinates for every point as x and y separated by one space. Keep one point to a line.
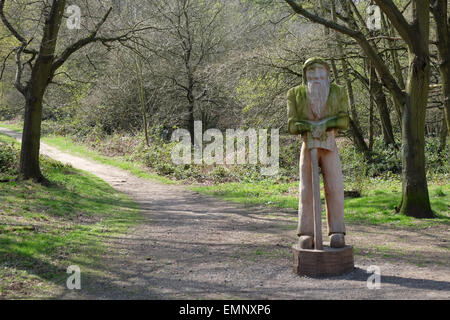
193 246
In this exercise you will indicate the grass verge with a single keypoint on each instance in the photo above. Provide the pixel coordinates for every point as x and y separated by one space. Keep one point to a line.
376 207
44 230
136 168
68 145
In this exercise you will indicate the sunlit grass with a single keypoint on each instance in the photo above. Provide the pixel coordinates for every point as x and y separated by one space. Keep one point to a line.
68 145
134 167
43 230
376 207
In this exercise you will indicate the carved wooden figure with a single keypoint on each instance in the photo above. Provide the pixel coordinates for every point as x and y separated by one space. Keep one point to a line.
316 110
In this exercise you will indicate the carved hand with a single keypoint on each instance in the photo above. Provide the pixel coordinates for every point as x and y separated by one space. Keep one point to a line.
339 122
317 128
304 126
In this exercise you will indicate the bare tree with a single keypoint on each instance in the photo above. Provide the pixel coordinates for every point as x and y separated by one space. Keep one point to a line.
39 64
189 36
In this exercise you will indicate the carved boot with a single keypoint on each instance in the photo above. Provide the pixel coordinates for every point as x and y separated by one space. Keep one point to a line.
337 240
306 242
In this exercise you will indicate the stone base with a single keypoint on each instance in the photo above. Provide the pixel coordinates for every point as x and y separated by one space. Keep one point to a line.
326 262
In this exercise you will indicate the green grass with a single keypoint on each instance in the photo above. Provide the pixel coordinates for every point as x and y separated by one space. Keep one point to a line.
136 168
376 207
254 193
8 140
43 230
68 145
11 126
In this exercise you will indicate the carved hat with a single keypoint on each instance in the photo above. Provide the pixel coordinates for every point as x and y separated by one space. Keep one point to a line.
311 61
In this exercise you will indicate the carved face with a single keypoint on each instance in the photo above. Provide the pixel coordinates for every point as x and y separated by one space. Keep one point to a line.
318 88
316 72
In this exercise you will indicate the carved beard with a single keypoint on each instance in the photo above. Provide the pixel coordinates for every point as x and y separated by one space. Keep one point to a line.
317 94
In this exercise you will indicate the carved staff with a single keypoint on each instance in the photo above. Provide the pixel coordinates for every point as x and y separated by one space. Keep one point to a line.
316 200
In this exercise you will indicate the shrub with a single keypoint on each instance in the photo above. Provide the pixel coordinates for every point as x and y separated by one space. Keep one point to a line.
221 174
165 169
9 159
436 161
354 168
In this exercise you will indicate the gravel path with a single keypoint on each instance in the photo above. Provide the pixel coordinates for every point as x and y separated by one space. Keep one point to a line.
193 246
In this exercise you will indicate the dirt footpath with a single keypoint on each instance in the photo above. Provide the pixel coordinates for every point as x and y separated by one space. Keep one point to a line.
192 246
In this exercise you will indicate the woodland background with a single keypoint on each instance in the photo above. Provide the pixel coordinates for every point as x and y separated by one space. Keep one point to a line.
228 64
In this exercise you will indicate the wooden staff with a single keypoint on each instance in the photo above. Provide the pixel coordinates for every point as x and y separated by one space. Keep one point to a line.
317 206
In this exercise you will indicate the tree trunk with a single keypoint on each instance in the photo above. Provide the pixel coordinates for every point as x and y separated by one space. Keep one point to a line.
444 67
359 141
443 137
415 199
398 74
439 8
41 75
371 132
141 94
380 98
191 105
31 135
29 155
191 122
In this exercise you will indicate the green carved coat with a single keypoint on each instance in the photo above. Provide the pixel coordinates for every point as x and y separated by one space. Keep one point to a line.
297 106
